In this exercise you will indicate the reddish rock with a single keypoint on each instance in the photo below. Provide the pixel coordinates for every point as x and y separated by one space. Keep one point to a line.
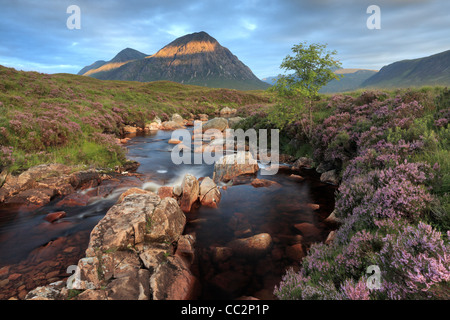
174 141
255 246
308 230
259 183
296 177
209 193
165 192
131 191
295 252
52 217
14 276
190 190
74 200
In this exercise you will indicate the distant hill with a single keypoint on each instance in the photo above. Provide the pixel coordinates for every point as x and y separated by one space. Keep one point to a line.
432 70
195 58
352 79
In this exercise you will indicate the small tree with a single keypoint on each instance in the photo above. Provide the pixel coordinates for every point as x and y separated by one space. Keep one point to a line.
311 68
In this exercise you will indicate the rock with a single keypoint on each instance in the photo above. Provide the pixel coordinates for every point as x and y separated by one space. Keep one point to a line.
230 283
92 295
129 129
330 177
133 287
296 177
87 275
286 158
227 111
233 121
313 206
173 280
174 141
203 117
252 247
171 125
177 191
50 292
177 118
263 183
165 192
330 237
154 126
190 191
295 252
221 254
185 248
323 167
216 123
81 179
74 200
138 217
209 193
303 162
308 230
52 217
131 191
332 219
231 166
154 255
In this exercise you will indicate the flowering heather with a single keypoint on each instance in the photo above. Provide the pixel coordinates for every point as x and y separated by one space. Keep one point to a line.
382 200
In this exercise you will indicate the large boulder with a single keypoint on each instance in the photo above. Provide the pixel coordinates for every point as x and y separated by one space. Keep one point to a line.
138 217
190 190
252 247
177 118
209 193
231 166
233 121
171 125
217 123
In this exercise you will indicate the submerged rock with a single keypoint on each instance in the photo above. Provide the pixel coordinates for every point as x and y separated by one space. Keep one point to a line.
252 247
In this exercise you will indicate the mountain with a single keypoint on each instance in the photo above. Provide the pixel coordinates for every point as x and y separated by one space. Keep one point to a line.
123 57
352 79
432 70
195 58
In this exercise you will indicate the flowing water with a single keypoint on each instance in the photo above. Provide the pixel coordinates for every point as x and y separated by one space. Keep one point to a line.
35 252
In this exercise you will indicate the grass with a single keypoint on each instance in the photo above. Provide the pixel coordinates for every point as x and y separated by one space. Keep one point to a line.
74 119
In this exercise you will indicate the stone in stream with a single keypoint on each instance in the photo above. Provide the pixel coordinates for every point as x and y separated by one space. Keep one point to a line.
252 247
263 183
177 118
308 230
209 193
52 217
234 165
131 191
190 191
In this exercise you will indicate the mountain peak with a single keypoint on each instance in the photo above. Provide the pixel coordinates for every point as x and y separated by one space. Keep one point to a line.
198 42
127 55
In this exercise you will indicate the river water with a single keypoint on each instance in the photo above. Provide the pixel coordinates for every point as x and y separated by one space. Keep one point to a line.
34 252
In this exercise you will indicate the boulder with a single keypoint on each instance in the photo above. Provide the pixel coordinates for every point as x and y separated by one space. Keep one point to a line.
308 230
177 118
203 117
190 191
330 177
52 217
171 125
209 193
252 247
231 166
233 121
129 129
138 217
131 191
303 162
165 192
295 252
263 183
217 123
173 280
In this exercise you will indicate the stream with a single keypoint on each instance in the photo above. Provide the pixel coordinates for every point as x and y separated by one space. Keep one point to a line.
34 252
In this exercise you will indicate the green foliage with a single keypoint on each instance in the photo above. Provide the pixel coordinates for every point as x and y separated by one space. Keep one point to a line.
311 68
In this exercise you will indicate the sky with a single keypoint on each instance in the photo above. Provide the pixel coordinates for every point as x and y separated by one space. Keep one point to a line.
35 37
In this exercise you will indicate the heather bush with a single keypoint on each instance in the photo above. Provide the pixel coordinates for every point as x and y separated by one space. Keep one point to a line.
393 154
